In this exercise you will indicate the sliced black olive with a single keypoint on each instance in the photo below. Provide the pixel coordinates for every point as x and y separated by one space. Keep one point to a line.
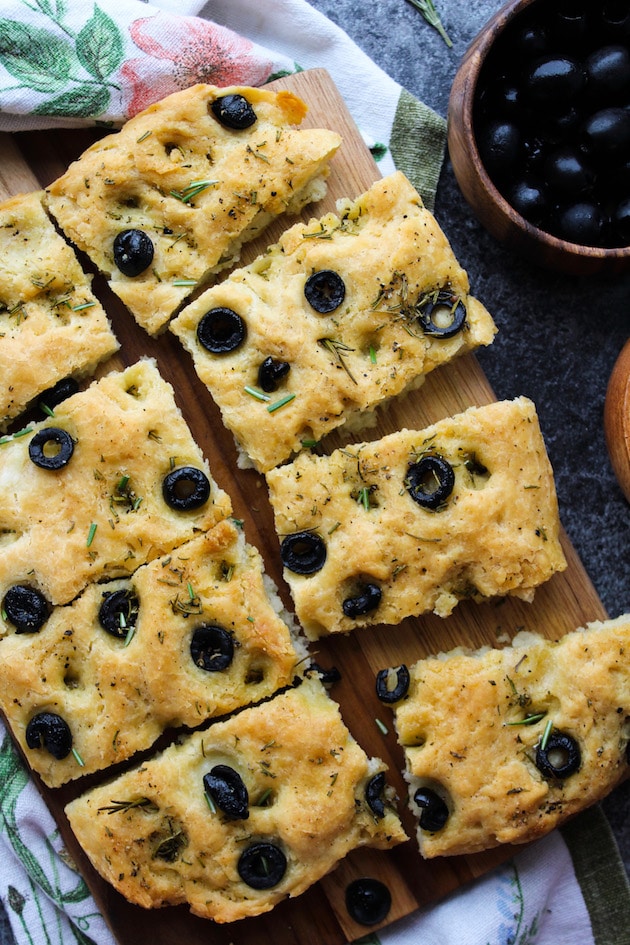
262 865
560 757
233 111
186 488
48 730
133 252
60 391
430 481
442 316
51 448
383 690
434 810
329 676
212 648
363 603
118 612
26 608
368 901
303 552
374 794
325 291
226 789
271 373
221 330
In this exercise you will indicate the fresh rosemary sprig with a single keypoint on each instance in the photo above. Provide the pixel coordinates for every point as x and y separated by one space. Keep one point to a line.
428 11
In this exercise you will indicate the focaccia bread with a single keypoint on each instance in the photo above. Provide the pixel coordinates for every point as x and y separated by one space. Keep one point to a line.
419 520
242 815
167 201
51 325
503 745
327 325
192 636
112 481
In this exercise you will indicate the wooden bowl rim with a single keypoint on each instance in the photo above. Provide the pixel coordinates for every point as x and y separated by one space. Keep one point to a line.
471 66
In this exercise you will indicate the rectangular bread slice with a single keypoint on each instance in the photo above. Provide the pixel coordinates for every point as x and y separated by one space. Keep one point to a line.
83 493
194 187
418 520
190 636
501 746
392 304
51 325
168 832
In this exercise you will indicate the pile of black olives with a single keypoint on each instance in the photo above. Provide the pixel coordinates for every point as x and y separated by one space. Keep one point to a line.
552 119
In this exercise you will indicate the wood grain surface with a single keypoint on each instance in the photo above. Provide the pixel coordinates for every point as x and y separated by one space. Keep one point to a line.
319 917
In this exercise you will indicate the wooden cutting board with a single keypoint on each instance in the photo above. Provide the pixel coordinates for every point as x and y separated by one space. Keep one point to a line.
319 917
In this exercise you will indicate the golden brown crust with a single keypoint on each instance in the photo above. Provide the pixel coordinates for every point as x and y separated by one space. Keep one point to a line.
461 728
146 176
103 514
119 691
369 349
497 533
51 324
153 835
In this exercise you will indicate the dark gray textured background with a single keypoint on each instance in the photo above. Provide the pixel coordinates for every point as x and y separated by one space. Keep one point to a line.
559 336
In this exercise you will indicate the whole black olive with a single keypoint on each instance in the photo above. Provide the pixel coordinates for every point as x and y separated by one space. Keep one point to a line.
434 812
212 648
368 901
621 222
227 791
560 757
363 603
303 552
26 608
221 330
186 488
606 134
553 82
48 730
133 252
325 291
51 448
233 111
442 316
567 172
581 223
60 391
262 865
271 373
529 198
499 145
118 612
608 73
374 794
395 694
530 41
430 481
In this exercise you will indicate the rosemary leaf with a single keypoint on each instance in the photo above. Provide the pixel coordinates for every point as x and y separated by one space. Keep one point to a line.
428 11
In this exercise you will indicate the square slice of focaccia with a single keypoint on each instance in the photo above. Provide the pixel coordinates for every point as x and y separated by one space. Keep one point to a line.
169 200
418 520
188 637
341 315
242 815
503 745
113 480
51 325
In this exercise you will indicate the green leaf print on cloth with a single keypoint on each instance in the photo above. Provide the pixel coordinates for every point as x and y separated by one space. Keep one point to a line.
46 900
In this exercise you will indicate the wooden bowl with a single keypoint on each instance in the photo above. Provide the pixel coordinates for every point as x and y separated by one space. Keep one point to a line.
617 419
491 208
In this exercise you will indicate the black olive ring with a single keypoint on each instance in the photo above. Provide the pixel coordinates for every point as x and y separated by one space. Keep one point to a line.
368 900
303 552
118 612
363 603
221 330
48 730
225 787
568 756
212 648
374 794
444 300
64 448
186 488
262 865
26 608
325 291
434 812
271 373
430 481
384 693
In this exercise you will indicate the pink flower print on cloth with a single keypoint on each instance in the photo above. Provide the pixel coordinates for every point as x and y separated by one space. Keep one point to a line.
181 51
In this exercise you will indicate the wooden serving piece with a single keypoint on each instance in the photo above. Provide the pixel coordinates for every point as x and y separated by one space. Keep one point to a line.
617 419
